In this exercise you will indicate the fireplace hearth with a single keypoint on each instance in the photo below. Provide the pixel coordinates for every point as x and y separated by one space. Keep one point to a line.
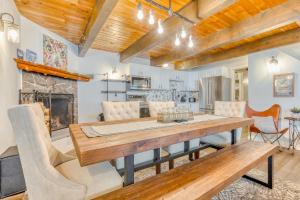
61 107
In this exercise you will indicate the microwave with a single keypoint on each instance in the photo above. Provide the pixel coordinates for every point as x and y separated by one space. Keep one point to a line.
139 83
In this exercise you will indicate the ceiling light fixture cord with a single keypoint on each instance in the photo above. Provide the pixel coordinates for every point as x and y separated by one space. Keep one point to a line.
168 9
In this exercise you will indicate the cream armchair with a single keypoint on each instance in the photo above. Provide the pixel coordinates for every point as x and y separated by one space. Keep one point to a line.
122 111
227 109
50 174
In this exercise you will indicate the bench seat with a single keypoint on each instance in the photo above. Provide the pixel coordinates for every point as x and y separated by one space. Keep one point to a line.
200 179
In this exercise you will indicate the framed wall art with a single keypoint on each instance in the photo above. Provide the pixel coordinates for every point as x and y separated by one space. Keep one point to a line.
55 53
31 56
284 85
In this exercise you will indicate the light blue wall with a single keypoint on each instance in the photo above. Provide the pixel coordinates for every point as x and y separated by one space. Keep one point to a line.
261 80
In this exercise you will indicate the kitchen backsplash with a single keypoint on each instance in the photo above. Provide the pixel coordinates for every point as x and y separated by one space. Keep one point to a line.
167 95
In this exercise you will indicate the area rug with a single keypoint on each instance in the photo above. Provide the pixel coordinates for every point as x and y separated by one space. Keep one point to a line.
242 189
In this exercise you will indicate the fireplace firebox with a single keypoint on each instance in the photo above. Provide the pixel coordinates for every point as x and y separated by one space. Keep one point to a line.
61 107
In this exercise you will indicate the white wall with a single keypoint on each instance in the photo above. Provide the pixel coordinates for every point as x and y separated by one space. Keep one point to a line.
95 62
261 80
90 96
9 79
32 38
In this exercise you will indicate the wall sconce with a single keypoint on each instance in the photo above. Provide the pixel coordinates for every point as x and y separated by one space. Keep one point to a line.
13 30
273 65
114 70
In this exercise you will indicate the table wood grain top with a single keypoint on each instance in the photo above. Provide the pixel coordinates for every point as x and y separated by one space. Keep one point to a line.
98 149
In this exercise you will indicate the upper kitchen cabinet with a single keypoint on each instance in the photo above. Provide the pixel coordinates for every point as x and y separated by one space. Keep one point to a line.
160 78
140 70
177 75
193 83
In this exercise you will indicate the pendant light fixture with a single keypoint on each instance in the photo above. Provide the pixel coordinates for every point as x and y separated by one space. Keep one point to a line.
160 29
177 41
191 43
181 36
140 13
183 33
151 19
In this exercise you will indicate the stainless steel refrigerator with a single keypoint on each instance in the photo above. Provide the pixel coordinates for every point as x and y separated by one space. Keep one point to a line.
213 89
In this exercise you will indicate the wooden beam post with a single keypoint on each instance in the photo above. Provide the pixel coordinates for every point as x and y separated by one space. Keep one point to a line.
277 40
191 11
100 13
271 19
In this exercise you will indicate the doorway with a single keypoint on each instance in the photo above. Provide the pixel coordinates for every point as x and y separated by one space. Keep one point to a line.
241 84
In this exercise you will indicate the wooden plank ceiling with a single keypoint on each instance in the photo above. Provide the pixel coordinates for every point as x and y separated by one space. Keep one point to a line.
241 10
122 28
69 19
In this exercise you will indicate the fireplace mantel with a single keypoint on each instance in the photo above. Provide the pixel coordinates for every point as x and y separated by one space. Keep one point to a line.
47 70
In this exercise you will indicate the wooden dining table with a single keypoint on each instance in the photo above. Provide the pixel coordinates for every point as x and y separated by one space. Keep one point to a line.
106 148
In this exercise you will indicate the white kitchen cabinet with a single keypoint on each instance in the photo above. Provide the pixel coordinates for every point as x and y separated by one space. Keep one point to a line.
155 79
140 70
160 78
193 81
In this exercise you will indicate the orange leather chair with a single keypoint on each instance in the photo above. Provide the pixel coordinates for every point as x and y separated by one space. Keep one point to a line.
274 112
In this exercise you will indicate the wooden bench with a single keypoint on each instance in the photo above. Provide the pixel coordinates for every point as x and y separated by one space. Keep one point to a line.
202 178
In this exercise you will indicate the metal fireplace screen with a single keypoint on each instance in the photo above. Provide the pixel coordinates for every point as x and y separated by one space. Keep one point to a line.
61 107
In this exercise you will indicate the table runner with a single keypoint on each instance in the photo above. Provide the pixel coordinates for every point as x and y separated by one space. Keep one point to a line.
104 130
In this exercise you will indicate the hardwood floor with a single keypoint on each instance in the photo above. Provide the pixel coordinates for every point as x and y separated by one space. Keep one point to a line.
286 166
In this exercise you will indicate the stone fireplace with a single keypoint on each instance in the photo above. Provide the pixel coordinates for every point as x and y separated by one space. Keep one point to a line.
59 95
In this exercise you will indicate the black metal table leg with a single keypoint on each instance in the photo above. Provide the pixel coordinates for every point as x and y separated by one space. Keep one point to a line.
187 148
129 170
269 184
157 158
233 137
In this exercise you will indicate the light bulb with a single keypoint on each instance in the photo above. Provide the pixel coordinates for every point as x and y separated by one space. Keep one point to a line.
165 65
13 34
191 43
140 13
177 41
183 33
160 29
273 65
151 19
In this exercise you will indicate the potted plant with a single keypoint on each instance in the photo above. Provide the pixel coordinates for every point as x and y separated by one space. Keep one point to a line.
295 111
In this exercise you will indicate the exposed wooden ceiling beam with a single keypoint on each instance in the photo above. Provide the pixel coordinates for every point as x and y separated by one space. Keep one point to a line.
211 7
100 13
190 11
263 22
277 40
